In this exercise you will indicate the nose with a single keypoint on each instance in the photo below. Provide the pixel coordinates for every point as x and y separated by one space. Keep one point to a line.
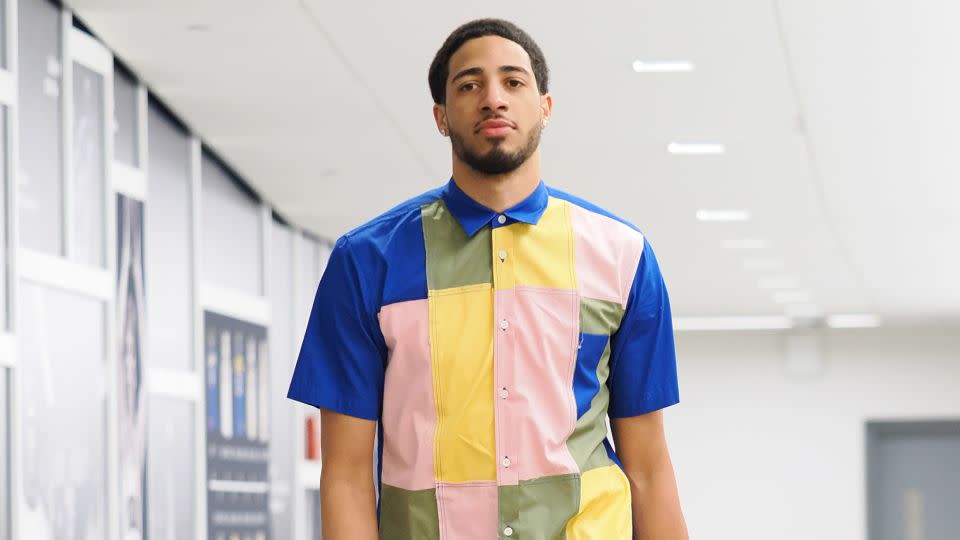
494 99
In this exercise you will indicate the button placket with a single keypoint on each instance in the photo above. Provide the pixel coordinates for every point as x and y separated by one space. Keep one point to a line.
504 345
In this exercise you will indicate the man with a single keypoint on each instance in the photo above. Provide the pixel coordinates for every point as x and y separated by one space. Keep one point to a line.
490 326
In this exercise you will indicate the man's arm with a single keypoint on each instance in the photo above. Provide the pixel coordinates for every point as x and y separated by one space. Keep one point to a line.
642 448
348 505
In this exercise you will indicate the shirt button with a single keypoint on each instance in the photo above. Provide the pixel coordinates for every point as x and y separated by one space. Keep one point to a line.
508 531
504 324
503 255
501 219
506 462
504 393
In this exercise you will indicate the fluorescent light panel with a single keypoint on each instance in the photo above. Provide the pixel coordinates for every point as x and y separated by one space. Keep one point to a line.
696 148
722 215
858 320
663 66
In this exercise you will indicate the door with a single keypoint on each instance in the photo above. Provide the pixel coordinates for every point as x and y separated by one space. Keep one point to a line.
913 480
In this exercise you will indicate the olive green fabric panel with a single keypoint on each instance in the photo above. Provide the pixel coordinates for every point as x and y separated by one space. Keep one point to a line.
406 514
509 510
599 317
586 442
539 509
453 259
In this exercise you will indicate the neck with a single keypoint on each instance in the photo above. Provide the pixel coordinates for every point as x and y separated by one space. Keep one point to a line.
500 192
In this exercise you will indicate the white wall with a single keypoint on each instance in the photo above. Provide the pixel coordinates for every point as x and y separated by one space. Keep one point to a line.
761 454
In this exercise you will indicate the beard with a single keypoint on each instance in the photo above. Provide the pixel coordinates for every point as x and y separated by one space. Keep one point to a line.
496 161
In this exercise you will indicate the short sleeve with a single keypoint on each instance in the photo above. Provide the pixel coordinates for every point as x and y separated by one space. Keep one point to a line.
343 355
643 365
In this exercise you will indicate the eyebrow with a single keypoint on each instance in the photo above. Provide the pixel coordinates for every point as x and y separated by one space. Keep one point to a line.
479 71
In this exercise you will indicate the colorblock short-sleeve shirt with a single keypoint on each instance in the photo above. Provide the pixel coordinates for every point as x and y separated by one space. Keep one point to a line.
492 347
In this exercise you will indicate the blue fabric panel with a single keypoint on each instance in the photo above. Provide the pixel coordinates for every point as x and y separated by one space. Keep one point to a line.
343 355
643 366
585 382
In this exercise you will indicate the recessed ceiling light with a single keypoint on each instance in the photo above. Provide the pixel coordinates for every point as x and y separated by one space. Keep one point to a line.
777 282
774 322
696 148
744 243
722 215
791 297
670 66
761 264
859 320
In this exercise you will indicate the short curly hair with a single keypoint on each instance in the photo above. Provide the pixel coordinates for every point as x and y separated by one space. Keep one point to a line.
440 67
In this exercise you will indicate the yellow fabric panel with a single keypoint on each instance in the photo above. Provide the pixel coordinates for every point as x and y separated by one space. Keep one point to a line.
544 252
605 507
461 344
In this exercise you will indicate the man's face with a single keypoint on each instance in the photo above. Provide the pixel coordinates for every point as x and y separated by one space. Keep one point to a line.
494 111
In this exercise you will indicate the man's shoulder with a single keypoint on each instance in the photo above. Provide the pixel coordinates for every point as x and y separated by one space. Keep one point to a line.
592 209
384 227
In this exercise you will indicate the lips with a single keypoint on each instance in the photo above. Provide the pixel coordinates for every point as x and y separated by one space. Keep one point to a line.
494 127
495 123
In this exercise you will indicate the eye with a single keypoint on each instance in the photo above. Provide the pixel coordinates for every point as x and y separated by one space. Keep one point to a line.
468 86
515 83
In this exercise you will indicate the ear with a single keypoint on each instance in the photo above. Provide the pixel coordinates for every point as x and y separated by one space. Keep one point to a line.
546 108
440 116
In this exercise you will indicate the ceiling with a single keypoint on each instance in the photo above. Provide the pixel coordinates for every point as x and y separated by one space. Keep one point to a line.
841 120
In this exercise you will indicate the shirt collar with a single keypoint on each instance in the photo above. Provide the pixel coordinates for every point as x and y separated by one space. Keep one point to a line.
472 215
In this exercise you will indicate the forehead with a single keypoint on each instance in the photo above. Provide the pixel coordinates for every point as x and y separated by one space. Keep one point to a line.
489 52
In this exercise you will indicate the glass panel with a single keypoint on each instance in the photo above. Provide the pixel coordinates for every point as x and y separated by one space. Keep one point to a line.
168 241
40 180
125 147
171 474
310 263
232 238
314 525
322 257
3 46
4 455
64 421
238 428
87 229
131 391
309 279
281 351
4 241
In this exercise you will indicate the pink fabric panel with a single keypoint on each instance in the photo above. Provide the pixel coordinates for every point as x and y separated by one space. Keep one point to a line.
540 411
468 511
607 254
409 415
